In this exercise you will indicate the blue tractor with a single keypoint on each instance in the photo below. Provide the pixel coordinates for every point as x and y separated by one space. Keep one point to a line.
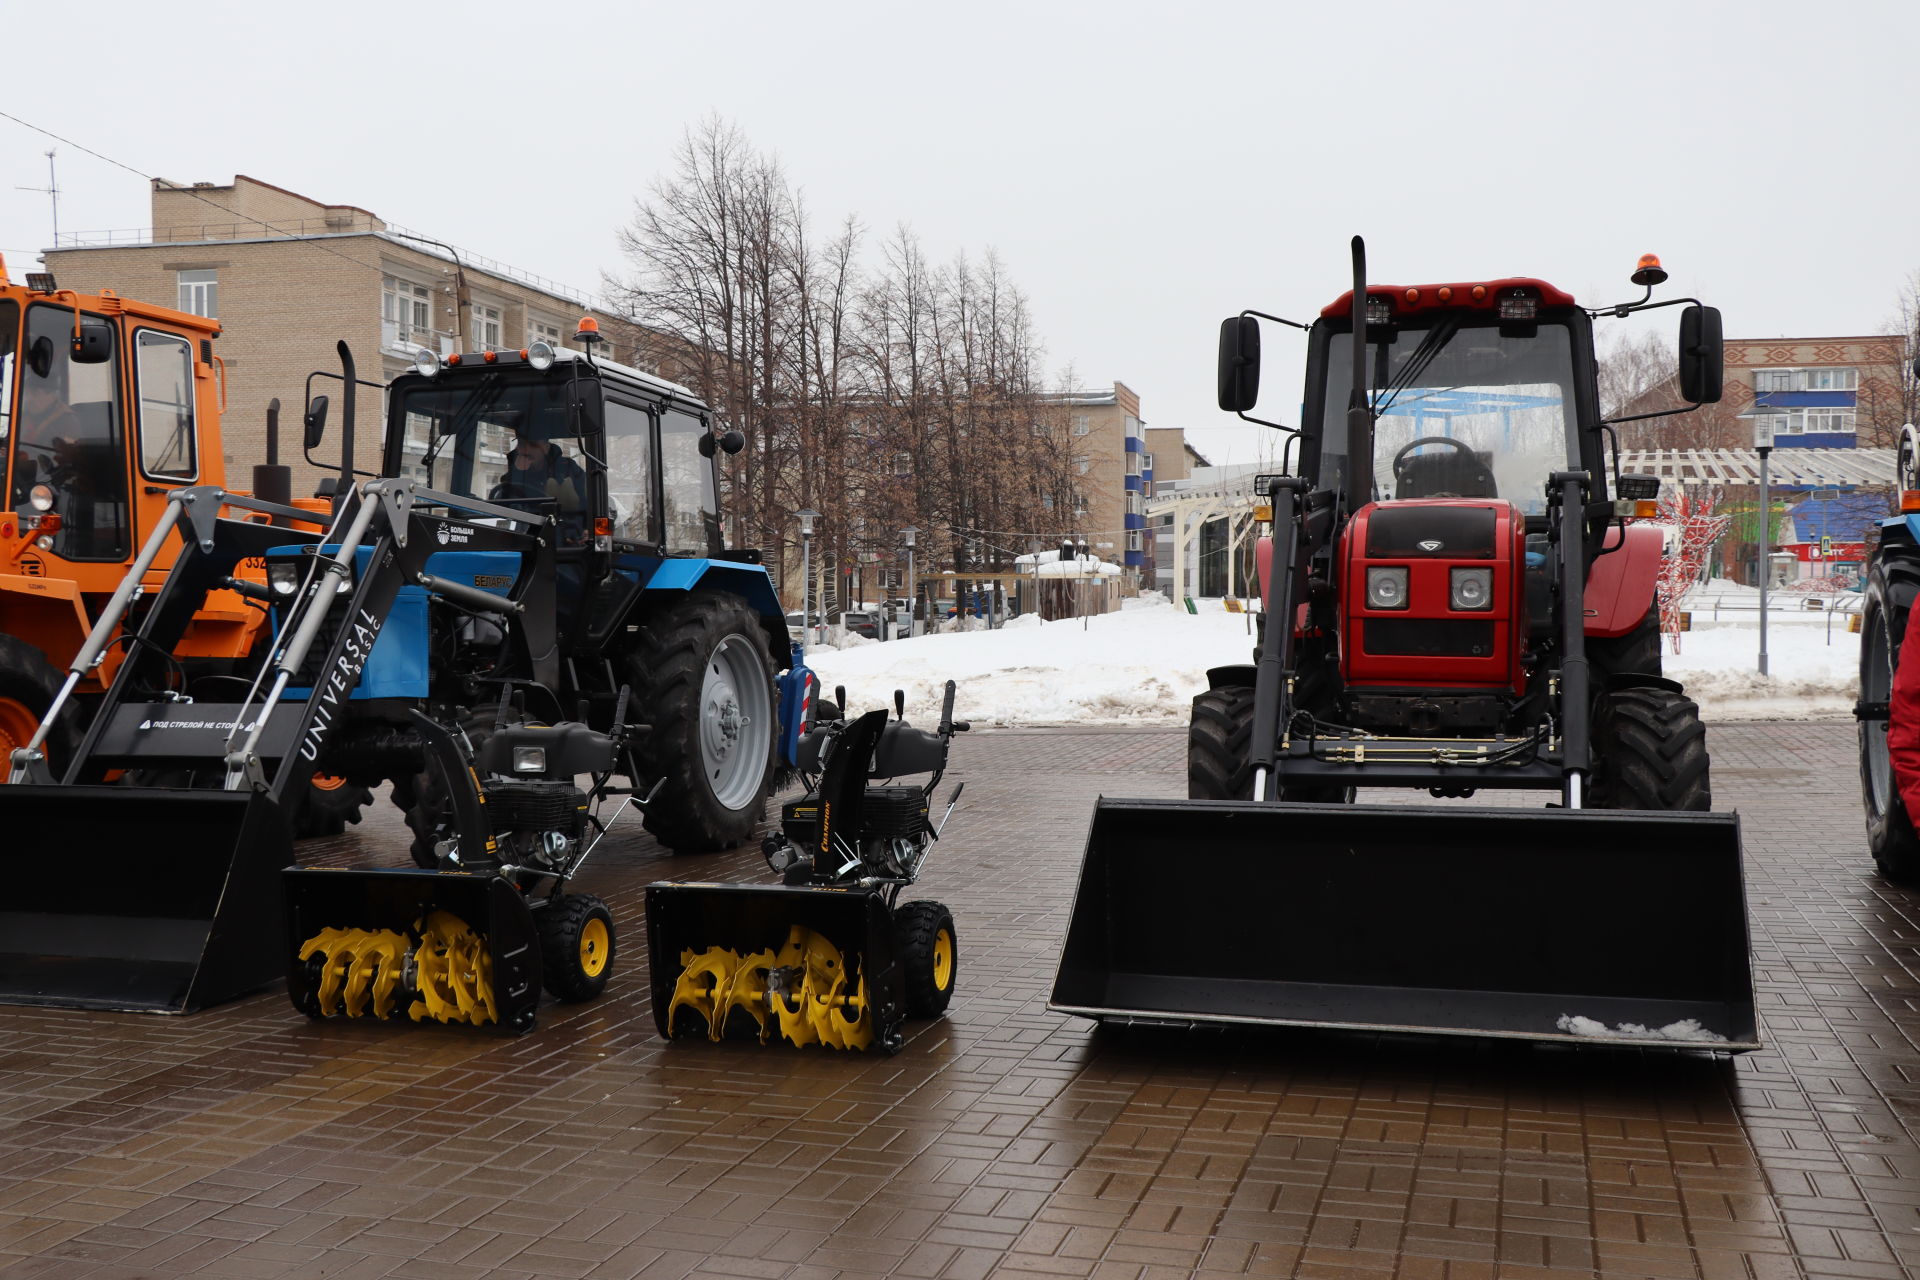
532 591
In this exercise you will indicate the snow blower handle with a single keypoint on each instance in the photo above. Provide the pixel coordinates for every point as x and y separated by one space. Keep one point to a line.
948 725
899 704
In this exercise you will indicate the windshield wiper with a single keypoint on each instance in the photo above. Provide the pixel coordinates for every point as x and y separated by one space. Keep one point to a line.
1423 355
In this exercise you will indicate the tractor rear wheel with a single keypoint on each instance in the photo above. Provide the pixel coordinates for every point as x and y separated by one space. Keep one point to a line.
1650 752
929 956
28 686
710 697
1637 652
1892 584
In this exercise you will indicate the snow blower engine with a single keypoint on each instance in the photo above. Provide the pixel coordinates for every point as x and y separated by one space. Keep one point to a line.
474 941
829 956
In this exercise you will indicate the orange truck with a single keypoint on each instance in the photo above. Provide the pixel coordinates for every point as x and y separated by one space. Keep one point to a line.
106 406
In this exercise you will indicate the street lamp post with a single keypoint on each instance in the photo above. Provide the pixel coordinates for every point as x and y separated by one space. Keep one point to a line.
1763 416
806 518
908 535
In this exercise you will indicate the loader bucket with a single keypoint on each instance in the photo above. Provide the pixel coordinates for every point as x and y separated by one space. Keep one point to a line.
1585 926
137 899
793 963
413 946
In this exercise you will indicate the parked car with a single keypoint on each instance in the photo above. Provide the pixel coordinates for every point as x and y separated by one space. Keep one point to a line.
862 624
797 627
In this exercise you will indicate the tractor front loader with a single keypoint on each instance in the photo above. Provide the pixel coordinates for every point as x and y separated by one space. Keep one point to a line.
1457 598
829 956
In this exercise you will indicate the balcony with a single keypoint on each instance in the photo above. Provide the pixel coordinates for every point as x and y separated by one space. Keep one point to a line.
404 340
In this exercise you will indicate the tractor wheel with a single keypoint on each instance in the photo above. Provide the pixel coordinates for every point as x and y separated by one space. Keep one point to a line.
576 947
1892 584
330 803
711 700
929 956
1650 752
1637 652
28 686
1219 739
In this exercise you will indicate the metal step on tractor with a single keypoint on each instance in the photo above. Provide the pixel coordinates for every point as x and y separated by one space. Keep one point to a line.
113 404
533 591
1458 597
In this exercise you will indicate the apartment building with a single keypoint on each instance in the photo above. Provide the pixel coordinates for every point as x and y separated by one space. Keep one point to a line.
289 277
1838 393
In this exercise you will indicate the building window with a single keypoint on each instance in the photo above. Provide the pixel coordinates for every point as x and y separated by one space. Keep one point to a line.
1135 505
1133 464
199 293
903 464
1832 379
406 314
541 331
1082 423
1082 465
1133 428
1133 539
1812 422
1766 380
486 327
1080 506
1046 502
1146 461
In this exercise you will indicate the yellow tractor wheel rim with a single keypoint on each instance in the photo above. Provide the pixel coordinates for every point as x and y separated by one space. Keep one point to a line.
328 782
17 724
594 947
942 959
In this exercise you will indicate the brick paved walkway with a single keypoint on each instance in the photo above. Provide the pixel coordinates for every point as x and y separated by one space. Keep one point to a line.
1004 1140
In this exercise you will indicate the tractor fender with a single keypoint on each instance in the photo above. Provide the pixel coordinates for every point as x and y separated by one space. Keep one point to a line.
1239 676
1620 582
49 614
1641 680
748 581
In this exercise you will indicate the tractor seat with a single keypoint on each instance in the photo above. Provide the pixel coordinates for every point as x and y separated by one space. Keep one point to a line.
1447 473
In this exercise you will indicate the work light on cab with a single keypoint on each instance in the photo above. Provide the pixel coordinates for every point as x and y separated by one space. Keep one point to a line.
540 356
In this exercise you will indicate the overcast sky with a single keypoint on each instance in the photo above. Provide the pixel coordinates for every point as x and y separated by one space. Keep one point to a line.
1143 170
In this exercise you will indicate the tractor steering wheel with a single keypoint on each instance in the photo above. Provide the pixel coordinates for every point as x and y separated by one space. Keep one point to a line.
1400 458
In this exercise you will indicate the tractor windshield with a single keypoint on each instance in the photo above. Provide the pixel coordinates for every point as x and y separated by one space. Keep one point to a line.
503 437
1467 411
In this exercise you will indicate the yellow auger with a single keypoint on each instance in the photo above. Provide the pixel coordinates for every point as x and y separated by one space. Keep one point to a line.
446 977
801 991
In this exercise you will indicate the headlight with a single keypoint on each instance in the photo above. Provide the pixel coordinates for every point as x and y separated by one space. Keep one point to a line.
1387 588
283 578
1471 589
540 355
41 497
529 759
426 363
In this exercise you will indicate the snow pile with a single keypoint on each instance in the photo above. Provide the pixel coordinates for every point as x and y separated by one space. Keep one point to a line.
1687 1029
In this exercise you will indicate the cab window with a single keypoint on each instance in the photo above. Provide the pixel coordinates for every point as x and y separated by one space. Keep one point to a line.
163 378
9 330
68 438
692 506
630 473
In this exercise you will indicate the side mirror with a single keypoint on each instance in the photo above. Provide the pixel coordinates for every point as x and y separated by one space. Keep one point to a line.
94 343
316 421
708 445
1702 355
1239 363
732 442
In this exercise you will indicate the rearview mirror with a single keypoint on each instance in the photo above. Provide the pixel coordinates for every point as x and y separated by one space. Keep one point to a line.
732 442
1239 363
316 421
1702 355
94 343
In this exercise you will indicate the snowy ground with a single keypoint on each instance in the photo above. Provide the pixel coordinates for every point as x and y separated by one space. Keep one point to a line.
1143 665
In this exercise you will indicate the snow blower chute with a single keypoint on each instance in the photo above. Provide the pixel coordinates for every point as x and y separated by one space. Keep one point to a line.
829 957
1458 596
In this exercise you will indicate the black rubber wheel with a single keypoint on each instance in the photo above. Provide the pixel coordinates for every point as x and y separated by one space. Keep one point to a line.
929 956
710 697
1649 752
577 947
328 805
28 686
1893 582
1219 737
1637 652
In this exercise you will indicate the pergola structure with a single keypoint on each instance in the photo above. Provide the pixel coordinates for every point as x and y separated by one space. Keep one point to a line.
1786 468
1192 509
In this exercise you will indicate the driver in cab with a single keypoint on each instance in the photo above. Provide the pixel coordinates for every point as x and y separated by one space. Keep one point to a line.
539 468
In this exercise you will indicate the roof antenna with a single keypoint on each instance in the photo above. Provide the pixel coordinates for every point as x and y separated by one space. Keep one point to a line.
52 192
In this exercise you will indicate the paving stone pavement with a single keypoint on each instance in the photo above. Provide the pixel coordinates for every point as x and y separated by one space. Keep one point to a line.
1004 1140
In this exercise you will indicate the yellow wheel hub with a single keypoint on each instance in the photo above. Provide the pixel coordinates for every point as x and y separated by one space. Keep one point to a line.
943 959
595 947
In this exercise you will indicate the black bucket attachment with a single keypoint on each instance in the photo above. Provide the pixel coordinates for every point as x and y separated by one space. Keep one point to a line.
803 965
1585 926
417 946
139 899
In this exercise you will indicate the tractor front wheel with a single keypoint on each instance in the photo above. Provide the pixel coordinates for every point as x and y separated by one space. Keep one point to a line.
328 805
1650 752
1219 739
1892 584
28 686
711 701
1637 652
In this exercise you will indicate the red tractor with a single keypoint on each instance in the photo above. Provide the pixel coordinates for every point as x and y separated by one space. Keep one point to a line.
1456 600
